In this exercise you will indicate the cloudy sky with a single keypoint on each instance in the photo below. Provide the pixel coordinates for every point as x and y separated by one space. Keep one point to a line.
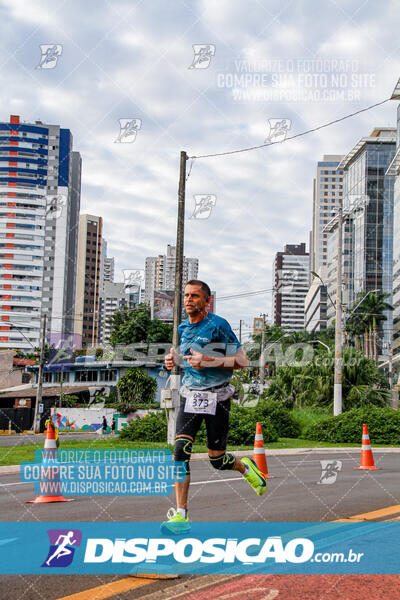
306 62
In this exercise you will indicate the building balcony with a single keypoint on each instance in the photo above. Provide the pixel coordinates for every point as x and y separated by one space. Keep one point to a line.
26 272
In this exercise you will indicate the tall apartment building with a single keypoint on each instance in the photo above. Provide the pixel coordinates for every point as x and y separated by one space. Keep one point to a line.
40 180
327 198
115 297
107 265
160 272
290 286
367 257
88 284
394 171
315 304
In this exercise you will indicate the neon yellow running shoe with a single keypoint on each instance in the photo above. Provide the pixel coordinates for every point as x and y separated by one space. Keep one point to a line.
175 523
254 477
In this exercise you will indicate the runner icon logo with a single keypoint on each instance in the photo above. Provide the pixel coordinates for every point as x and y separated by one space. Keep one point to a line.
62 547
330 470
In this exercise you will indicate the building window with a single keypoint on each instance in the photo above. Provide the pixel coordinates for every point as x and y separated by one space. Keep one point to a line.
108 375
86 375
57 377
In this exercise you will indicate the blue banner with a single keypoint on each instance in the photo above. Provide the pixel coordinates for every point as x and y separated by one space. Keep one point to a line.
238 548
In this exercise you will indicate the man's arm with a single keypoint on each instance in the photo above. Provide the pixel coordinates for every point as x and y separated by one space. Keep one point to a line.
235 362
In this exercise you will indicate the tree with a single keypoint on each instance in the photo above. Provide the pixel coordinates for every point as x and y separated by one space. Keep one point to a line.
366 320
136 387
312 384
159 332
131 326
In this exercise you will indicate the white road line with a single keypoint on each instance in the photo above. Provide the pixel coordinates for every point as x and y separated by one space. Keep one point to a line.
304 462
192 483
17 483
216 480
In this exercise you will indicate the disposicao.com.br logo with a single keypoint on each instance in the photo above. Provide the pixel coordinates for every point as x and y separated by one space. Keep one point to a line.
193 550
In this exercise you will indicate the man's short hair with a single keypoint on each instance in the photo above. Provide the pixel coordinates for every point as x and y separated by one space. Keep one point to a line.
203 285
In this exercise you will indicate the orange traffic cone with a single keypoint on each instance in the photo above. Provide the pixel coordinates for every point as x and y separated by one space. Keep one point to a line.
259 452
50 462
367 459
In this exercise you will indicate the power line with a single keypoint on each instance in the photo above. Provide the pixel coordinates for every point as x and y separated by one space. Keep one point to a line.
244 294
292 137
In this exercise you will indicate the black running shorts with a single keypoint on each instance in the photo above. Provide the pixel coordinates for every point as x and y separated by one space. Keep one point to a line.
217 425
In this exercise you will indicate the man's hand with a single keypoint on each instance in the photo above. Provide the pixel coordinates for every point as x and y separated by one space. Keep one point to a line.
170 359
196 360
199 361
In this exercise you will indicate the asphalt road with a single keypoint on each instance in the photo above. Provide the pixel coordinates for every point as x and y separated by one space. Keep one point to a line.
293 494
31 438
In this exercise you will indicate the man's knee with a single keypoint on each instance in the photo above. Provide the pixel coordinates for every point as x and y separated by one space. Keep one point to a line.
224 462
183 451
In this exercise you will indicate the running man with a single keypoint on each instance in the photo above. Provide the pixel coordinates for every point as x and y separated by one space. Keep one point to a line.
211 352
62 543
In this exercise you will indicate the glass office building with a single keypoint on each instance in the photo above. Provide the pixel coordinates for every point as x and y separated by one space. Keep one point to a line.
394 172
368 202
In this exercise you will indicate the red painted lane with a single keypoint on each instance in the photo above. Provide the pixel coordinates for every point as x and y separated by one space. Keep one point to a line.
303 587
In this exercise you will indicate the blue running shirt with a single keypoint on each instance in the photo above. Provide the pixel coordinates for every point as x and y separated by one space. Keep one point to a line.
212 331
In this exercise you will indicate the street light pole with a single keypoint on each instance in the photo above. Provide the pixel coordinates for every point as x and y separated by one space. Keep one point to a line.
337 390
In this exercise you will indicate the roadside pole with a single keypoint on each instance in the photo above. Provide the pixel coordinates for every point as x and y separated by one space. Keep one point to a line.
262 361
337 392
170 398
36 421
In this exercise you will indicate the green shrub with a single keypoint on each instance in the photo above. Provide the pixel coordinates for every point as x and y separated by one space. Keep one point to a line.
243 426
304 417
151 428
280 417
383 426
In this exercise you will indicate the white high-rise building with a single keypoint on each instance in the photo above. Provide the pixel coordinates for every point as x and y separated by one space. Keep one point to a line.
290 286
160 272
115 297
40 181
327 198
107 266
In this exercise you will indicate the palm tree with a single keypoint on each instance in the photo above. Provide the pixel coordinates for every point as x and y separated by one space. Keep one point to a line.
366 319
374 306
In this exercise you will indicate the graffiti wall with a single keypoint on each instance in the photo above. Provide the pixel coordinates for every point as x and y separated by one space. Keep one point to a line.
91 419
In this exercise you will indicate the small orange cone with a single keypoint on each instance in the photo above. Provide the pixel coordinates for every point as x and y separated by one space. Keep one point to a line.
367 459
259 452
49 462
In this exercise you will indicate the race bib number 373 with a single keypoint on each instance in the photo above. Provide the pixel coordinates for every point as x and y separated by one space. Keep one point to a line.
201 402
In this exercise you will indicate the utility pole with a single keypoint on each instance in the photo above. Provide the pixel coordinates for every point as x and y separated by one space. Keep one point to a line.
262 361
173 402
337 391
240 330
36 420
